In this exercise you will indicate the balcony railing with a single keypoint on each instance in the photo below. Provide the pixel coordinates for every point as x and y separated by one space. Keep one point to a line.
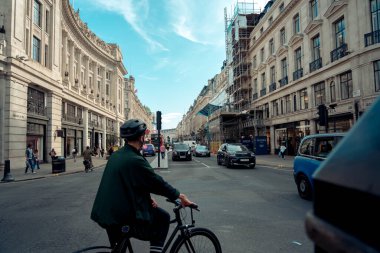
255 96
314 65
263 92
339 52
283 81
36 109
272 87
372 38
72 119
297 74
94 123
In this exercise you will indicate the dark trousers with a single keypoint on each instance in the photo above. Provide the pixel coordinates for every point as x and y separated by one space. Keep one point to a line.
31 165
155 232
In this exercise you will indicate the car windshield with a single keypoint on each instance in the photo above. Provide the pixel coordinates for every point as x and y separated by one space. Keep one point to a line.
181 146
236 148
201 148
148 146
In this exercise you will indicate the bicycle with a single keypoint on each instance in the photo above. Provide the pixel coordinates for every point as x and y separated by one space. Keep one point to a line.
190 239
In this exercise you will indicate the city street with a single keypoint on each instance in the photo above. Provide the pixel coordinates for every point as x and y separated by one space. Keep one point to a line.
249 210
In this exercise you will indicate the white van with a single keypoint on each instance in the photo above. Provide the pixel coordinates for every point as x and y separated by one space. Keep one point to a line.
192 144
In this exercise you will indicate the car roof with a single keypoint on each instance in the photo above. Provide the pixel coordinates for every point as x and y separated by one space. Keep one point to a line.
323 135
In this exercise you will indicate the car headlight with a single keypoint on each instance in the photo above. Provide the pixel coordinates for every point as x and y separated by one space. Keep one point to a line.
188 152
253 154
174 152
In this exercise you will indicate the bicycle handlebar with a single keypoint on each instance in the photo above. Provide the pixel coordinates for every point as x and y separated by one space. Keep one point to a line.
178 204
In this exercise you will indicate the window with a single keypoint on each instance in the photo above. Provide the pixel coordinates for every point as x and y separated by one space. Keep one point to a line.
266 110
270 20
263 81
108 75
375 15
47 18
261 30
304 99
297 59
281 7
319 93
262 55
314 9
340 33
346 85
282 36
316 54
36 49
37 13
281 106
296 24
107 89
271 46
284 68
272 75
287 104
376 67
254 62
90 82
46 56
255 86
98 86
275 108
332 92
294 102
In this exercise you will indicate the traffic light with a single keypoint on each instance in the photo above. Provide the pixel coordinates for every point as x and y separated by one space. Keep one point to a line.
158 116
323 115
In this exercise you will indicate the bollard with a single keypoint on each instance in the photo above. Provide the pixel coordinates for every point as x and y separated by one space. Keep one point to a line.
7 172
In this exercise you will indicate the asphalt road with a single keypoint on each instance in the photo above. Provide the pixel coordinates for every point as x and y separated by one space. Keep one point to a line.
250 210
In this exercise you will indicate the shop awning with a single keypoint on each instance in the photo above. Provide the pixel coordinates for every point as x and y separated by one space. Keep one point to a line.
209 109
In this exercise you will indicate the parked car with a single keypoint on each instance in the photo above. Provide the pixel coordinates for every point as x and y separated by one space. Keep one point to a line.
231 154
312 151
148 149
181 151
201 150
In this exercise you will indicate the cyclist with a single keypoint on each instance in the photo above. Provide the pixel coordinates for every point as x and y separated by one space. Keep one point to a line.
123 197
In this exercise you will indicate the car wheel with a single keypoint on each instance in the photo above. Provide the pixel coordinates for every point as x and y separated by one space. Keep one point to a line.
218 160
227 163
252 166
304 187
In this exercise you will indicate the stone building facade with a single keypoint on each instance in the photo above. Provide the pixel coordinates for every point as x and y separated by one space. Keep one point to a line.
134 109
61 86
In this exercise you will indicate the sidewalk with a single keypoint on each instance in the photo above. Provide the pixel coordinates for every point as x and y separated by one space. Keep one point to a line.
163 162
45 170
275 161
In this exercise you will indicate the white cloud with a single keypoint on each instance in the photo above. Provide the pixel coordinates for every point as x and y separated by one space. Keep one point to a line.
136 14
171 119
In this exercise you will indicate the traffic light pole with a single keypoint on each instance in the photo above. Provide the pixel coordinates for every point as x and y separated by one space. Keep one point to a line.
158 120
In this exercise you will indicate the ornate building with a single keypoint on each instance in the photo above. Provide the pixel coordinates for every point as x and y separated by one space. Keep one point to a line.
61 86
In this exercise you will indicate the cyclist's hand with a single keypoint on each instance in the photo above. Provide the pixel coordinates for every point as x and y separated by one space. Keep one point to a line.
154 203
184 200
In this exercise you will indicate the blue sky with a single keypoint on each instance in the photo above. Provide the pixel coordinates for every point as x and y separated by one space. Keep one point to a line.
171 47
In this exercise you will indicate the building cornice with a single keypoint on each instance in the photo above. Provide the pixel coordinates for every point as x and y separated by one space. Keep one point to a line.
335 7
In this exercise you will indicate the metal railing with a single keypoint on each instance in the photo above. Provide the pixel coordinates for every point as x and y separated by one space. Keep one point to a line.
36 109
72 119
283 81
263 92
314 65
255 96
339 52
297 74
372 38
272 87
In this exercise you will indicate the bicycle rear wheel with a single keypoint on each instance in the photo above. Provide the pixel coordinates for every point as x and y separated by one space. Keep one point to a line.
200 240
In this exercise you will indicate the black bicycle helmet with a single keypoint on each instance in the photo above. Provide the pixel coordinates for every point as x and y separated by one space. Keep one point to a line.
132 128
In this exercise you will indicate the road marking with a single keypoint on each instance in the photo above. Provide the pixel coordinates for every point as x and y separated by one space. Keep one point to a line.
206 165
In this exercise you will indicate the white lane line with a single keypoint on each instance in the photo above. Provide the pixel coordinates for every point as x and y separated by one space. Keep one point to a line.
201 163
206 165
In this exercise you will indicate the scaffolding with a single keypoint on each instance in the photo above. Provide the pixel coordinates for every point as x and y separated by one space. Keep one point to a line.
237 35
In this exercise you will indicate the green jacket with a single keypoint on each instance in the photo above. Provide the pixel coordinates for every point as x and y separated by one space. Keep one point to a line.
124 191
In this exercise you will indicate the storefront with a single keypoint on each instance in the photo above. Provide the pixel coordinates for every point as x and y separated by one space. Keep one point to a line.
73 137
35 136
290 135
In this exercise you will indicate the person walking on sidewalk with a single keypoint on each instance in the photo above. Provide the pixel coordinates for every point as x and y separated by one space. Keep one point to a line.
74 153
87 159
162 150
36 159
29 158
53 154
282 150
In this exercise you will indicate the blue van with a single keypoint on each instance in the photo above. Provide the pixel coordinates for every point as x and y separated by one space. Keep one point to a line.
312 151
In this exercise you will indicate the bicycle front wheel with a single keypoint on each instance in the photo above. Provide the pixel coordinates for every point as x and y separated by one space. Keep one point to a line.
200 240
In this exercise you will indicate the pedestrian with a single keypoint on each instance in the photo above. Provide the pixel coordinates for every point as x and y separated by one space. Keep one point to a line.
87 158
282 150
74 152
102 152
110 151
124 193
36 159
162 150
29 159
53 154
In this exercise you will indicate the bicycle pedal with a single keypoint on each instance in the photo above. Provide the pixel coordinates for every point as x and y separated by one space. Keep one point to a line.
125 229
